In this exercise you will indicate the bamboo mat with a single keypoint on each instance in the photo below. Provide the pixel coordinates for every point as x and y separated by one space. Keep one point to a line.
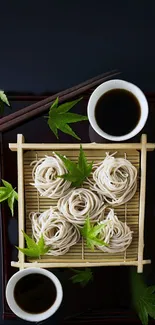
79 253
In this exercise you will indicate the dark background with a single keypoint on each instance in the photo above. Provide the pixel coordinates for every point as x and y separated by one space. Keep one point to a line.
47 46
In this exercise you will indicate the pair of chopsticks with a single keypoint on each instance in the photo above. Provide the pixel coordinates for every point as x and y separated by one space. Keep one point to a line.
31 111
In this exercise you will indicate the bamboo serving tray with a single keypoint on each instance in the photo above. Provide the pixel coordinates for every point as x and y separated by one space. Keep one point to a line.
133 212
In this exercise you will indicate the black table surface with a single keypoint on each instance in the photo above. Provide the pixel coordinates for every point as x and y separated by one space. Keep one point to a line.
61 43
52 45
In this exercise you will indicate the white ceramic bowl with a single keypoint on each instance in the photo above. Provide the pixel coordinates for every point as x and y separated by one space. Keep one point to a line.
20 312
117 84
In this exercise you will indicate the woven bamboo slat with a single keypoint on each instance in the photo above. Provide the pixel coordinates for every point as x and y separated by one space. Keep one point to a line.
132 212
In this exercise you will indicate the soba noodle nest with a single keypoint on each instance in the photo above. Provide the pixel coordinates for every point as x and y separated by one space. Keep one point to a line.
79 203
115 179
116 234
45 178
58 233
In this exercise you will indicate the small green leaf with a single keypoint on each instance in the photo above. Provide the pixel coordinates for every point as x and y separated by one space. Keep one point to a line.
72 118
143 314
11 200
4 98
41 245
69 177
4 193
34 249
77 173
7 185
64 108
150 290
15 195
86 228
53 127
55 103
82 276
90 233
31 252
68 130
96 230
45 250
150 307
82 161
143 297
70 165
8 193
59 118
29 241
92 242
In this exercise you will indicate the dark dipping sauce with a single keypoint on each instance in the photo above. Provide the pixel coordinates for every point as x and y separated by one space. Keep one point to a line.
117 112
35 293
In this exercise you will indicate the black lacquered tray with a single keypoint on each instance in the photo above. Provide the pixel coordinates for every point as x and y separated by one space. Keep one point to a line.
107 298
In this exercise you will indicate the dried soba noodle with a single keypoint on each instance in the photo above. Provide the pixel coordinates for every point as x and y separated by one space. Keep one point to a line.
45 178
58 233
79 203
116 234
115 179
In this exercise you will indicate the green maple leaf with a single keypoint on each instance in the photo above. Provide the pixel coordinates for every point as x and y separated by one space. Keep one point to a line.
77 172
3 98
59 118
143 297
82 276
8 193
90 233
34 249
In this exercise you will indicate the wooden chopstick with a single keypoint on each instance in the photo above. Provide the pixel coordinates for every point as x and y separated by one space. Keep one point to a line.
62 93
40 107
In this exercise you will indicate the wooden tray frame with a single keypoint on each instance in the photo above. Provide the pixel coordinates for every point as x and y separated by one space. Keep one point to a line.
21 146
